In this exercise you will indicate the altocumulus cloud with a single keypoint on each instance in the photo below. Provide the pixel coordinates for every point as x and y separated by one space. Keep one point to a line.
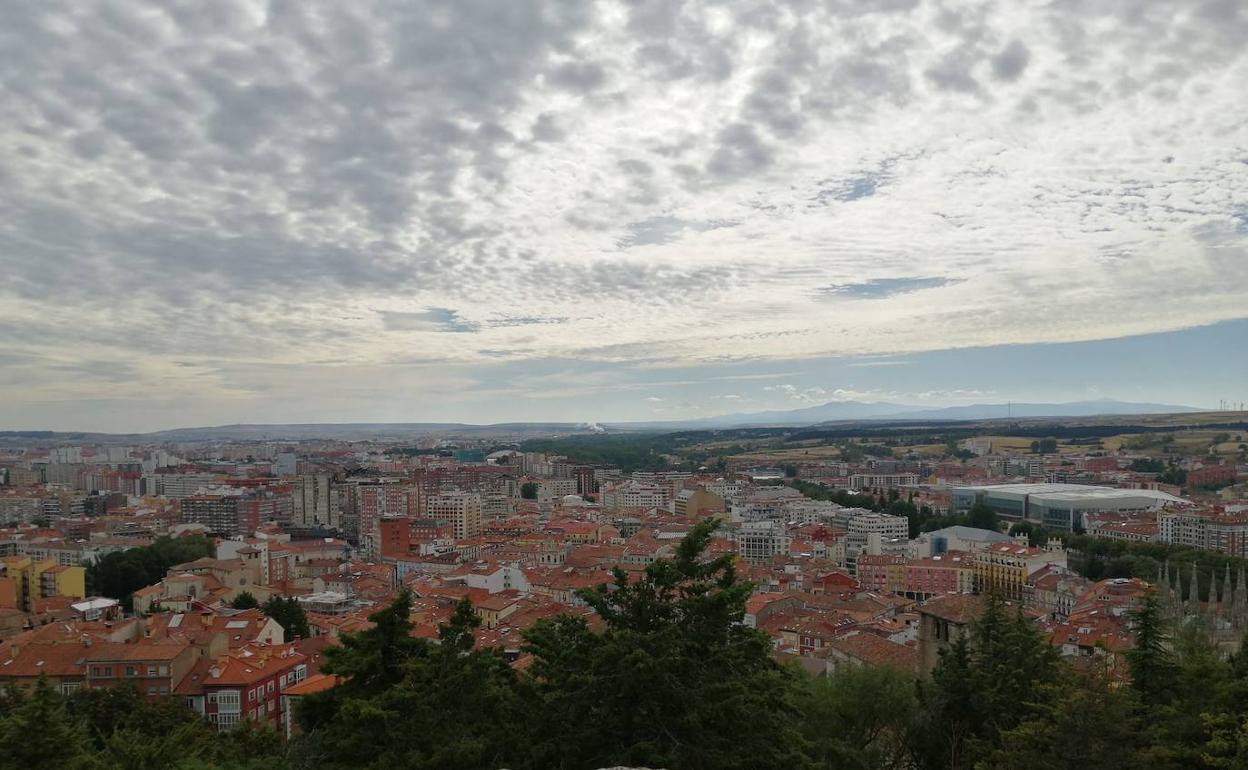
291 183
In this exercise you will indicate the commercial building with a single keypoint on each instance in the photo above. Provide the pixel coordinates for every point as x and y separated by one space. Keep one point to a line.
1059 506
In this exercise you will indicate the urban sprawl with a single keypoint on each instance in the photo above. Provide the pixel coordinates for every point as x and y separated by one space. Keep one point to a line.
877 558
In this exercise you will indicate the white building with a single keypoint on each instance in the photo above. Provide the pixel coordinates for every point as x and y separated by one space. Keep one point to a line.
758 541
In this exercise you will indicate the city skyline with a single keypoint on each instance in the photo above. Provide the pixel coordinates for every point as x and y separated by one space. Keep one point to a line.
404 212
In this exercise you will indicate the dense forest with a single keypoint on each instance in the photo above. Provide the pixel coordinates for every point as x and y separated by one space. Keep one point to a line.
672 678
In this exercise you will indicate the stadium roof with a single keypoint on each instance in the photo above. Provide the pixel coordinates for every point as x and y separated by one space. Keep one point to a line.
1076 492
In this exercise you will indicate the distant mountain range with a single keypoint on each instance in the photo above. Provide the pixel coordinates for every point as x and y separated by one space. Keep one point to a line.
831 412
839 411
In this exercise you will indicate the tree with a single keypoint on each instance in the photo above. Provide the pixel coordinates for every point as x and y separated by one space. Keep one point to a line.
120 574
984 686
982 516
528 490
858 718
1080 722
245 601
1227 748
39 734
290 615
1045 446
674 680
408 703
1153 671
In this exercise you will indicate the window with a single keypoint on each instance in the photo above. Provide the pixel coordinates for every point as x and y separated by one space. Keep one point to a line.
228 701
151 689
130 671
270 687
151 670
69 687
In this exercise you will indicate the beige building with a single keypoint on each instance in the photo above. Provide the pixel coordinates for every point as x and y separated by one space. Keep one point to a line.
461 509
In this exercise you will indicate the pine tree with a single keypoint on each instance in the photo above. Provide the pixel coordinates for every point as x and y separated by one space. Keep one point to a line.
290 615
245 601
675 679
39 734
1153 670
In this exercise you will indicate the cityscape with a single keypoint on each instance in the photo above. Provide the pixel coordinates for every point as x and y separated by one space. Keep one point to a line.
624 385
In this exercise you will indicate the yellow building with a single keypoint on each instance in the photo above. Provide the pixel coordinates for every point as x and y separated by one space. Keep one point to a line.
26 580
1003 568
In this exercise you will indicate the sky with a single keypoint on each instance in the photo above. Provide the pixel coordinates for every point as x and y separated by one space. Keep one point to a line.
481 211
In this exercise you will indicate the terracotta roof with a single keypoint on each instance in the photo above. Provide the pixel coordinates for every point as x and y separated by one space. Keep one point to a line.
313 684
956 608
877 651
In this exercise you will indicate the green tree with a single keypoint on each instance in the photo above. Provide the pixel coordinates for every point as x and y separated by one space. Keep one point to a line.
674 680
1227 748
528 490
38 733
1045 446
987 684
408 703
245 601
982 516
290 615
1080 722
858 718
119 575
1153 670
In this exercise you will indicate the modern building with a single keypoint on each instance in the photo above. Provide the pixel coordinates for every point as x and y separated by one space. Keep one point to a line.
1059 506
1220 529
758 541
882 480
461 509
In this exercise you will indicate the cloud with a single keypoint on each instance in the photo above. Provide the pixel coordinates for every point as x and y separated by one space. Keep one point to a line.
647 184
1011 61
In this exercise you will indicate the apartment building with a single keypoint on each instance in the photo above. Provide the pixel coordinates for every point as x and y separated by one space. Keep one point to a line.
461 509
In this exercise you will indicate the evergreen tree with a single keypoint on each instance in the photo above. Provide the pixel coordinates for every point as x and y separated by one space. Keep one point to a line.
674 680
290 615
858 718
1079 722
1153 671
408 703
39 734
245 601
985 685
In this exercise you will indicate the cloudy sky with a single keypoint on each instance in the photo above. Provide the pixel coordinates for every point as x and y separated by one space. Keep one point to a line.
511 209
